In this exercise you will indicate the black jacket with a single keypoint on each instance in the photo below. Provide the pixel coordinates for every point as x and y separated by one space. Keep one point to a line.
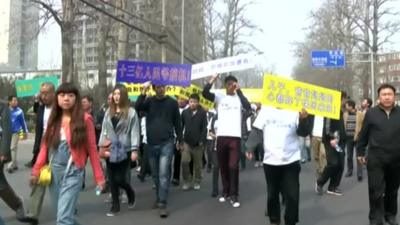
381 133
39 110
5 132
194 126
330 128
163 119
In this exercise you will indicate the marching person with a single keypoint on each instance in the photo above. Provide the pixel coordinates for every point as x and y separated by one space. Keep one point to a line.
163 123
119 143
6 192
67 143
19 130
229 134
380 132
279 131
194 124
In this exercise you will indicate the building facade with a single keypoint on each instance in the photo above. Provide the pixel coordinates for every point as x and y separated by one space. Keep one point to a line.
389 70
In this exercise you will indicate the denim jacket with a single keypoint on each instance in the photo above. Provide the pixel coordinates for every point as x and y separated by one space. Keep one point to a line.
126 133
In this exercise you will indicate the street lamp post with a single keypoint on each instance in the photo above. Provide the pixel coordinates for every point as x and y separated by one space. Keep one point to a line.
183 32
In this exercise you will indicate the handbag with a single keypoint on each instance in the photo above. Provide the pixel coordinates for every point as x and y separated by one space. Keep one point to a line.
45 174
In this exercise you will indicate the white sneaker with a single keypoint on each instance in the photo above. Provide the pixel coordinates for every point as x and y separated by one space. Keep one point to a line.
185 187
108 199
222 199
124 198
236 204
196 187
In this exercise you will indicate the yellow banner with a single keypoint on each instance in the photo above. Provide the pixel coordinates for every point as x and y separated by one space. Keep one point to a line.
295 95
186 92
136 89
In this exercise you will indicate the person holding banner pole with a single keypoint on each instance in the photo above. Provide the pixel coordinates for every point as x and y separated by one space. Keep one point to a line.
229 134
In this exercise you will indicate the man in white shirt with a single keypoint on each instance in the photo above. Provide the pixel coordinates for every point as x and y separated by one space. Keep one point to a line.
229 134
279 130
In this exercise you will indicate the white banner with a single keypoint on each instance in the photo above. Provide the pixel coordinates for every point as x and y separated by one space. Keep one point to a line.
229 64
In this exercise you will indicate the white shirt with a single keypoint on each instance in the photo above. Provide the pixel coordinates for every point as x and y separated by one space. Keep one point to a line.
318 126
229 110
143 129
281 143
46 115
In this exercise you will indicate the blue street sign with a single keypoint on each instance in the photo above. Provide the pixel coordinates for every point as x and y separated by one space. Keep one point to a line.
328 59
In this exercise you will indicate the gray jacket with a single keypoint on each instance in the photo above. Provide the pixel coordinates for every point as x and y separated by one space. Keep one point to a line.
5 132
127 130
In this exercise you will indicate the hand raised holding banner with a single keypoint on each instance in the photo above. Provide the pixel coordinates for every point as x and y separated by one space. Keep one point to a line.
146 87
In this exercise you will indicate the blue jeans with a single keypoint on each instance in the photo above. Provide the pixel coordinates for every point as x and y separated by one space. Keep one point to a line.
65 185
160 157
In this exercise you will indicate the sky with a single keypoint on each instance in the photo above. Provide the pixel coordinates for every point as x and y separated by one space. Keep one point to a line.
282 22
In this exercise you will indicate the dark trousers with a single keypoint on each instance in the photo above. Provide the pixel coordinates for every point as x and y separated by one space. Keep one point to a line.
334 168
144 162
7 193
228 151
350 144
117 174
259 153
242 154
283 179
177 165
209 151
383 184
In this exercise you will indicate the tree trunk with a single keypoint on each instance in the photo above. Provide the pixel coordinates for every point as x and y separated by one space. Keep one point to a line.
102 32
121 5
67 42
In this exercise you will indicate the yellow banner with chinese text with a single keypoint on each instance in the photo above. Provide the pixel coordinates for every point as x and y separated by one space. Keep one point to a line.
295 95
186 92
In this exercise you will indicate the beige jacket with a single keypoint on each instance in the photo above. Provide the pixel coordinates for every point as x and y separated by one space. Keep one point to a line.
359 122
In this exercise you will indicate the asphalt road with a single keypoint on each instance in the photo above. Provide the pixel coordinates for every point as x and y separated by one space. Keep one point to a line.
197 207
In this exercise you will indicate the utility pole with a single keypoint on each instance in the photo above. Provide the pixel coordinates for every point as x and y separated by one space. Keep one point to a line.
163 22
183 32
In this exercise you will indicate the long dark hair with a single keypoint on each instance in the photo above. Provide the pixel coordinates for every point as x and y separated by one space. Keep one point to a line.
124 102
77 124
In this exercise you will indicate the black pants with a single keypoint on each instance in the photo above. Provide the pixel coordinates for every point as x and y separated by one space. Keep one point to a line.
383 184
259 153
334 168
117 173
144 162
283 179
350 144
7 193
177 165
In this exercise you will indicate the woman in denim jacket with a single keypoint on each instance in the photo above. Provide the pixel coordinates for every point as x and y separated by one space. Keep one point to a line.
119 142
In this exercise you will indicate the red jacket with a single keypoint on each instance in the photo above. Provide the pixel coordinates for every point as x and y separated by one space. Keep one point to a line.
79 156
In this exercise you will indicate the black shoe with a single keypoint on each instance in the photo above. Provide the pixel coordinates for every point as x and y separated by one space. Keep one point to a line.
132 200
30 220
318 189
10 170
113 211
349 174
214 194
141 177
28 164
359 178
391 221
163 211
175 182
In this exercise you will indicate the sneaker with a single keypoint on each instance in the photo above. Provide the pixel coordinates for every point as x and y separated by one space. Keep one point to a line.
318 189
235 202
222 199
163 212
141 177
185 187
138 169
336 192
175 182
214 194
359 178
196 187
256 165
113 211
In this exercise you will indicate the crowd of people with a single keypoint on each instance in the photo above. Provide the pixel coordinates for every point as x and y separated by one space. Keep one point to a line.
172 137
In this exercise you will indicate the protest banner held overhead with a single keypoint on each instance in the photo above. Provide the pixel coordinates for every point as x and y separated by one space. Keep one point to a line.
295 95
31 87
157 73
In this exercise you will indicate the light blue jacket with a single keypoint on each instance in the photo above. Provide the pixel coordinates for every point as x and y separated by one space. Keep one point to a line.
126 132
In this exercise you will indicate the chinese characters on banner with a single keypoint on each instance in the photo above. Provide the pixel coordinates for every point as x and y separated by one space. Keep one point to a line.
186 92
228 64
31 87
294 95
157 73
